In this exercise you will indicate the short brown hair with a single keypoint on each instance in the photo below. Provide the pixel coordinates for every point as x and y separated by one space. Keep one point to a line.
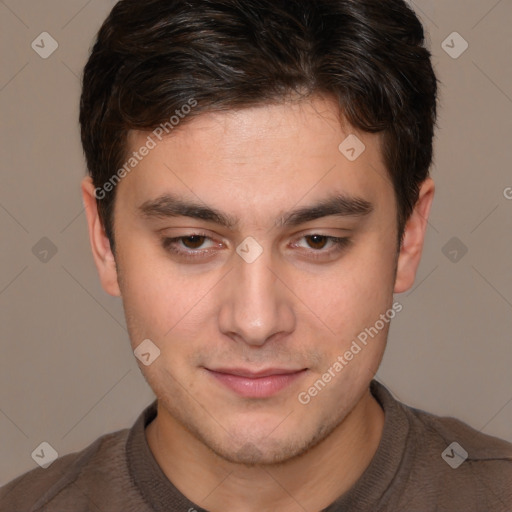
151 57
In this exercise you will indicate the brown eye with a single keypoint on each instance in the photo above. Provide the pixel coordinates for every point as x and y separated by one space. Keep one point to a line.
317 241
193 242
193 247
322 248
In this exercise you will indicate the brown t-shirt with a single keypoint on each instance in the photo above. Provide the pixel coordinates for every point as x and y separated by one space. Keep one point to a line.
416 468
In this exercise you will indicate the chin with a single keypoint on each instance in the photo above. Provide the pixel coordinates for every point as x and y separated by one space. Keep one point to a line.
266 450
260 453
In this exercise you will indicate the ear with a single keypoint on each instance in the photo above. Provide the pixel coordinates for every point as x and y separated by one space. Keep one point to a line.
414 236
100 244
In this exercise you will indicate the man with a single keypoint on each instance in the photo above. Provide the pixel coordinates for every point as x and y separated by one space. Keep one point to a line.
259 188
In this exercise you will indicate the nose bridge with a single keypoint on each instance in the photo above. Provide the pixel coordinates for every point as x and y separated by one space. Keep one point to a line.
256 307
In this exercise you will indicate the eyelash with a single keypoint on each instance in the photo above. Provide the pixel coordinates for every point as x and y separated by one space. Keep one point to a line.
169 244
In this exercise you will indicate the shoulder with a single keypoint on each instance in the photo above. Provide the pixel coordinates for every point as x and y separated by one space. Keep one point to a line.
72 480
453 459
439 462
475 446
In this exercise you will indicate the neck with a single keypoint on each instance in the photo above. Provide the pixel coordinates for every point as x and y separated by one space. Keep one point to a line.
303 483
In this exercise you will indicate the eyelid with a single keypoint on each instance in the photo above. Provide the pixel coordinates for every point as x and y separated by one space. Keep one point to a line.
330 238
339 244
175 239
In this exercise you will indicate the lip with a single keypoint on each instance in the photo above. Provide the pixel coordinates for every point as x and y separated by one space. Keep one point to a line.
260 384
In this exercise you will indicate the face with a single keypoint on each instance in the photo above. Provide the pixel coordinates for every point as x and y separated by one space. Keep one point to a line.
252 252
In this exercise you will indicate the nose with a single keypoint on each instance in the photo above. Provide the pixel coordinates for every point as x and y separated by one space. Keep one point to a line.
256 305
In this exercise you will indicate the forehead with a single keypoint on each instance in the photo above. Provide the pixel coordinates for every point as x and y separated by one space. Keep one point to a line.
259 159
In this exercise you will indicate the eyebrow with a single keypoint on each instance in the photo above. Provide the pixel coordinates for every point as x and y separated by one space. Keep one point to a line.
341 205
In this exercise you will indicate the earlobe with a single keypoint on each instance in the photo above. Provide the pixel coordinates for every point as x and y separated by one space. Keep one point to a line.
414 236
100 244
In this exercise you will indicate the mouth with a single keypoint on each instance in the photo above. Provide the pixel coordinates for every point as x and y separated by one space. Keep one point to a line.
261 384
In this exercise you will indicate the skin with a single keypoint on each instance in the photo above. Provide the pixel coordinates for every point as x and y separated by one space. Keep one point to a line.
286 309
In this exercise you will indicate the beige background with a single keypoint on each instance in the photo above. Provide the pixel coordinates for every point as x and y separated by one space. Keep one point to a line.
67 374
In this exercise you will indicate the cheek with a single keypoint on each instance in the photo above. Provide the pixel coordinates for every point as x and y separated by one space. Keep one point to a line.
163 304
352 294
146 292
146 301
